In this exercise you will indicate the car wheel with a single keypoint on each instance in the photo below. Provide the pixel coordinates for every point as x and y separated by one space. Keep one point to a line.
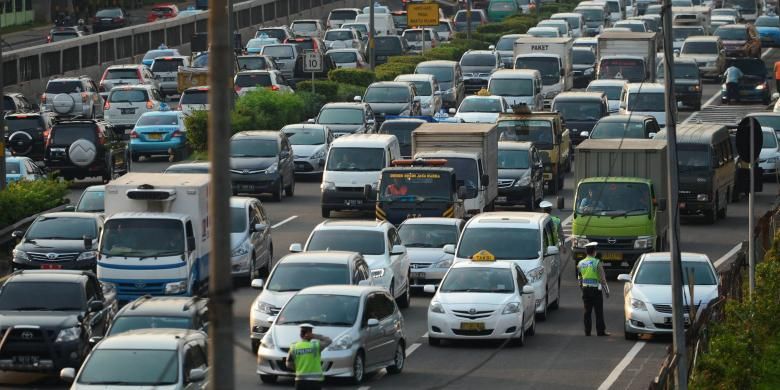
268 378
358 368
532 328
398 360
278 193
433 341
255 347
543 315
404 300
253 271
520 341
325 212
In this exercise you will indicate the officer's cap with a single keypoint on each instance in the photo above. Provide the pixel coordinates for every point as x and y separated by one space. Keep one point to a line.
306 326
591 245
545 204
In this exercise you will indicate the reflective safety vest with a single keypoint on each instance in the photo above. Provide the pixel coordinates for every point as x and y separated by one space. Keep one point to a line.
557 222
589 271
308 365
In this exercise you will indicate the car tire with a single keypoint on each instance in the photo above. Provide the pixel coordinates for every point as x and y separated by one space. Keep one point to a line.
325 212
270 379
404 300
278 194
532 329
433 341
543 315
255 345
520 341
290 190
399 359
630 336
358 368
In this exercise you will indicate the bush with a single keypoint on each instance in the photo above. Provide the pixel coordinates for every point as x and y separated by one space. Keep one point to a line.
409 59
197 124
352 76
389 71
25 198
262 109
312 102
347 92
326 88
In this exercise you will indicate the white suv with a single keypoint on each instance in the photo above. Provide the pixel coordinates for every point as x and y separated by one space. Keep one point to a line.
125 104
377 241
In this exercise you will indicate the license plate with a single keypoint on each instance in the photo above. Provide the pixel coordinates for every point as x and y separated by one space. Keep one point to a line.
501 199
668 320
26 360
472 326
548 176
127 111
418 275
246 187
51 266
353 202
154 136
611 256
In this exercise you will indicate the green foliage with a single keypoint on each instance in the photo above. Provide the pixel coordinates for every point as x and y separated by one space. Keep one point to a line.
388 71
352 76
312 102
347 92
263 109
326 88
197 124
25 198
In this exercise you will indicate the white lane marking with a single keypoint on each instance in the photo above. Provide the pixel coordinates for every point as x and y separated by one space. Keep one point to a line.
615 374
727 256
412 348
284 222
424 336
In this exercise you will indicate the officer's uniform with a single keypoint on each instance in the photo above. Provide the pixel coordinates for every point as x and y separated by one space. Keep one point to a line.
304 355
558 231
591 276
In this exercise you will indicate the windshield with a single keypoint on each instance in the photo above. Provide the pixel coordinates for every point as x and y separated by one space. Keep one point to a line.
540 32
583 57
338 35
513 159
15 123
253 63
539 132
506 44
479 60
681 71
423 88
416 35
253 147
700 48
258 43
172 65
415 186
693 159
201 61
287 276
657 272
444 27
478 280
511 87
466 172
480 105
388 44
152 54
158 120
770 140
341 57
400 19
503 6
442 73
127 96
345 116
279 52
387 95
253 80
731 34
41 296
415 235
632 70
140 367
142 238
238 219
61 228
356 159
132 322
611 130
768 21
92 201
364 242
772 121
195 97
646 101
504 243
680 33
578 110
320 310
613 199
592 14
11 168
613 93
305 136
547 66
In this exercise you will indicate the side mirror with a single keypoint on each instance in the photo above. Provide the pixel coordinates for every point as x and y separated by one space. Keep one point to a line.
624 277
662 204
95 306
295 248
357 98
17 234
775 96
310 120
367 191
438 93
552 250
257 284
485 179
258 227
462 192
429 289
87 242
397 250
67 374
197 375
560 202
528 289
584 134
70 207
492 47
651 135
452 111
449 249
94 340
372 322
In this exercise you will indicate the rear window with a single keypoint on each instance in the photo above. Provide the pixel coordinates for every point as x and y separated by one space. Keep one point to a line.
68 134
461 16
17 123
61 36
305 44
252 63
478 60
158 120
195 97
343 57
109 13
280 52
338 35
277 33
304 26
128 96
64 87
343 15
171 65
122 74
252 80
388 43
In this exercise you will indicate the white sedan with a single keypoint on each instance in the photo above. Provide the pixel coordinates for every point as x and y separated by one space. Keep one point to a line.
648 296
482 299
480 109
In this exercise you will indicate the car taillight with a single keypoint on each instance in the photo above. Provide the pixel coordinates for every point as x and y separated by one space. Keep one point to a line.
117 19
46 136
177 133
48 39
149 104
237 88
83 97
133 134
107 105
274 88
43 98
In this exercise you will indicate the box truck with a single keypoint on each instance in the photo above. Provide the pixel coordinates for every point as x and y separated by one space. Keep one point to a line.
627 55
552 58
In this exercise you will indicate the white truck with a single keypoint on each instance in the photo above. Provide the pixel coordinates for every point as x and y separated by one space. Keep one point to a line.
156 236
469 148
693 16
552 58
627 55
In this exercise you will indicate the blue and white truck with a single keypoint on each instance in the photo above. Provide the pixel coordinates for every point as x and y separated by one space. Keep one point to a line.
156 236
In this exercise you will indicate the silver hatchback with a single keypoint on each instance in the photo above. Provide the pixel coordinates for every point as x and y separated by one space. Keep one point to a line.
364 322
125 104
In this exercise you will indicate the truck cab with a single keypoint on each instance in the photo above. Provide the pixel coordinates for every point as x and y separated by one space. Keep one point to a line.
552 57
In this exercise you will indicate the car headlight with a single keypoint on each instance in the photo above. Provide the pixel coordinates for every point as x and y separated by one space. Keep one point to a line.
443 264
318 154
580 241
694 88
377 273
535 274
327 186
588 72
175 288
68 334
711 64
702 197
511 307
761 87
88 255
723 88
265 307
20 255
273 168
240 250
436 307
341 343
644 242
636 304
267 341
523 181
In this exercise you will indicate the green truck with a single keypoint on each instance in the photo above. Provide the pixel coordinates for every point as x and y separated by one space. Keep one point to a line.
619 200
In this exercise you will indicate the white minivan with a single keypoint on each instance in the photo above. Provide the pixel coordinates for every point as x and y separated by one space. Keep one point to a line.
518 86
645 99
383 23
354 163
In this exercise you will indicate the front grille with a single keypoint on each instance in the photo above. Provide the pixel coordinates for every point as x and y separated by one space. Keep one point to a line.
477 314
609 243
419 265
667 309
303 167
349 189
461 332
686 196
59 256
140 289
23 341
505 183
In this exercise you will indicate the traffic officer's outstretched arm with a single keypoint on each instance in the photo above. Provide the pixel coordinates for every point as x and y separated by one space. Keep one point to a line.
325 341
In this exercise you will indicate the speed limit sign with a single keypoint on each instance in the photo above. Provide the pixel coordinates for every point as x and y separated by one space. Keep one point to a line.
312 62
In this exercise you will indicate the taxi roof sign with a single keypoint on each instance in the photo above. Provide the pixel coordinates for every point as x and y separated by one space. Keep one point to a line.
483 255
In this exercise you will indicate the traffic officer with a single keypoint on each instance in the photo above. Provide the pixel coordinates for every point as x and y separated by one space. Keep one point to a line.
558 231
590 273
304 358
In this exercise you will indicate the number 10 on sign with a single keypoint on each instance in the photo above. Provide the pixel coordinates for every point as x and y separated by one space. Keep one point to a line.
312 62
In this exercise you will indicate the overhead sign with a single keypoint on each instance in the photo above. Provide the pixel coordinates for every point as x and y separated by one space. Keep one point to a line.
422 14
312 62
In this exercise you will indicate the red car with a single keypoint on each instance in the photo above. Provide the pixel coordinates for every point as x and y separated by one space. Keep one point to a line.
163 11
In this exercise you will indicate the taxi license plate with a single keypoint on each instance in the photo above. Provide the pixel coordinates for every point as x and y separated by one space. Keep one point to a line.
246 187
51 266
418 275
127 111
611 256
668 320
353 202
501 199
472 326
154 136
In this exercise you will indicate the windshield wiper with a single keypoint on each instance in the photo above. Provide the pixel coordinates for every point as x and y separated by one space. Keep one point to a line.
161 254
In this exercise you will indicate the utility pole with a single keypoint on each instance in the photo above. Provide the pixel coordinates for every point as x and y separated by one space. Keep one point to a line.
232 33
751 213
371 33
468 19
220 279
2 139
678 315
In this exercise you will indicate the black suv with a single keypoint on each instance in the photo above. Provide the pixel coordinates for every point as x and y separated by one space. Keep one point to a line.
61 240
80 148
262 162
160 312
47 318
110 19
25 134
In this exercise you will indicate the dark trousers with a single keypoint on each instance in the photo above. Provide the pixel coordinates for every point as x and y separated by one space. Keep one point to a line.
593 301
308 385
732 91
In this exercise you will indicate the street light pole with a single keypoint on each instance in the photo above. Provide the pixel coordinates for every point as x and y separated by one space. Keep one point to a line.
220 280
751 213
371 33
2 127
468 19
